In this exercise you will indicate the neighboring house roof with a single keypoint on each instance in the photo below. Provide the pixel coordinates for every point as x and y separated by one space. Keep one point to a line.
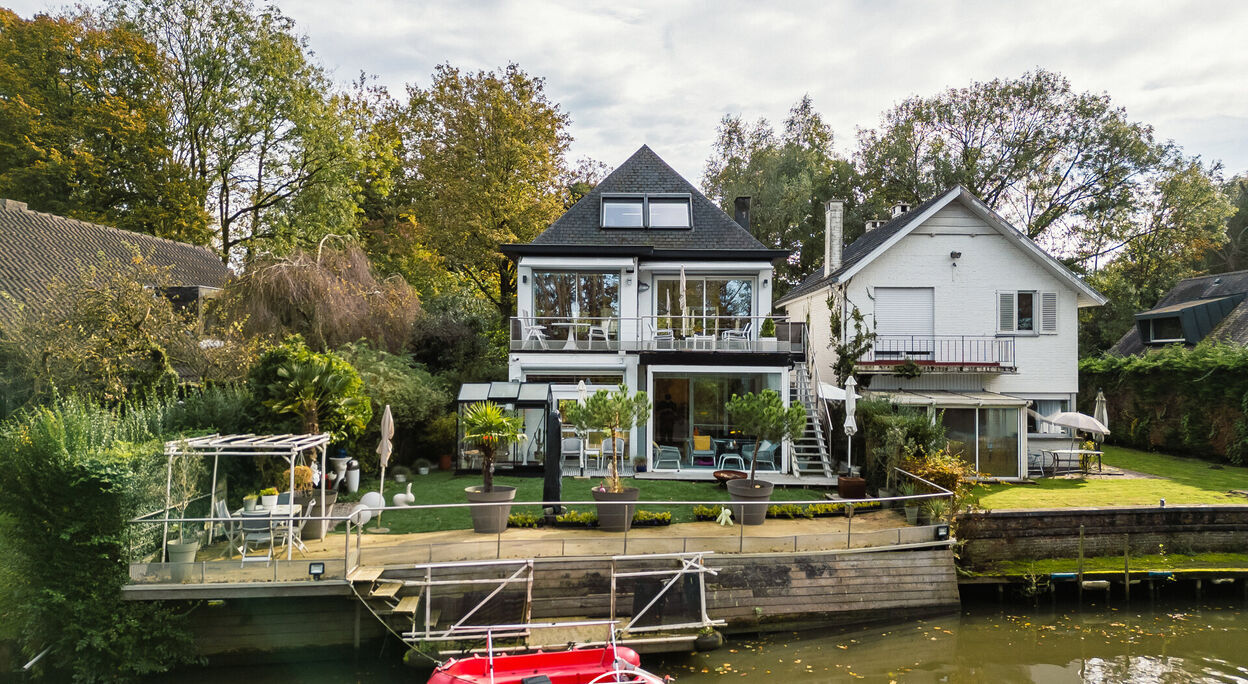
580 228
1213 307
875 242
36 247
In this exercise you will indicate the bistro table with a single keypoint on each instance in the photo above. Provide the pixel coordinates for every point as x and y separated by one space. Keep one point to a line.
570 345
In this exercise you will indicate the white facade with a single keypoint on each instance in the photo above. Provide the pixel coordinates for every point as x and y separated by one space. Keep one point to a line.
962 269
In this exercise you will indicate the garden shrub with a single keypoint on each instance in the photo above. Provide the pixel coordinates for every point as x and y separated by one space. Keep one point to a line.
888 434
1174 399
295 389
74 475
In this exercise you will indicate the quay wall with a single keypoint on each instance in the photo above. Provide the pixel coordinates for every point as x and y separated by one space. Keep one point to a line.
992 536
248 628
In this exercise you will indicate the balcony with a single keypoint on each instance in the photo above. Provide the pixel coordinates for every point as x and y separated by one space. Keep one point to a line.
732 334
940 354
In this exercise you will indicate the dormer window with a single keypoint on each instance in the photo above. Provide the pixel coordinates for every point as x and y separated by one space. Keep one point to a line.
1163 330
623 212
657 212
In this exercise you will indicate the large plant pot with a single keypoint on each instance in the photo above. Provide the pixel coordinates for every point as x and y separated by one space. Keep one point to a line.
444 462
490 519
315 529
182 559
750 491
912 514
615 517
851 487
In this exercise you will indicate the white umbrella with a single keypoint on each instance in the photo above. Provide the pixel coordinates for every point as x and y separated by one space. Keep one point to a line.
384 449
851 425
1079 421
1101 412
582 392
683 303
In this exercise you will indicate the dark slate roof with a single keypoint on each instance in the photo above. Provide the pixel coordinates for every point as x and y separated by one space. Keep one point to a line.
864 245
1232 329
35 247
645 172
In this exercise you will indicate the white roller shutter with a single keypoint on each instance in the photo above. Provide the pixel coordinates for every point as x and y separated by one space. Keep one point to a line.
904 311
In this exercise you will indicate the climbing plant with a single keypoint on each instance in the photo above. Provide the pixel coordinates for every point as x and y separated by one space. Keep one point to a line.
851 348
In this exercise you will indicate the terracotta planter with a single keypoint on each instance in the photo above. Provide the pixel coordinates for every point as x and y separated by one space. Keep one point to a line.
490 519
444 462
750 491
615 517
851 487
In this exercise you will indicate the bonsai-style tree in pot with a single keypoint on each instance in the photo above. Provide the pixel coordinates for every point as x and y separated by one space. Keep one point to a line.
185 473
764 417
615 413
490 428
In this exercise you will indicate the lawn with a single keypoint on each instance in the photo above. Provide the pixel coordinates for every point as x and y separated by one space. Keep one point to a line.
438 487
1157 561
1187 481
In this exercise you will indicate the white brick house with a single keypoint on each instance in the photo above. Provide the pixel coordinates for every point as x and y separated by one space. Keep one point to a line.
973 320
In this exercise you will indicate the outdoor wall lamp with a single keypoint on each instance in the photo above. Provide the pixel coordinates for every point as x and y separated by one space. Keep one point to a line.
524 279
955 255
643 287
316 570
764 282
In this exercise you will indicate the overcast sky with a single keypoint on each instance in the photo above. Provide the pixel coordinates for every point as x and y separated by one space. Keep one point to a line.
664 72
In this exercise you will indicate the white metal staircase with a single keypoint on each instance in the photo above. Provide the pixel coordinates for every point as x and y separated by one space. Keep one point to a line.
810 451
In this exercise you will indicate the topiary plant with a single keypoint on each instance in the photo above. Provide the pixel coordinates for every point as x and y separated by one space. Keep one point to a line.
765 417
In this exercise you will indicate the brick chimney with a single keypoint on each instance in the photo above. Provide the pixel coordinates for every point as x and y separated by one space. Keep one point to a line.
833 235
741 211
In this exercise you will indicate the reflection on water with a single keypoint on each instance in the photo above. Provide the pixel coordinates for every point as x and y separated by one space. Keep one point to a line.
1113 645
982 645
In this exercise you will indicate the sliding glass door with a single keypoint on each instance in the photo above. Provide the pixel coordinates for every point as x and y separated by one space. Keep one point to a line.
711 304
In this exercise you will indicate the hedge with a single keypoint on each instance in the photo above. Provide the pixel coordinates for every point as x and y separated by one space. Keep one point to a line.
1175 399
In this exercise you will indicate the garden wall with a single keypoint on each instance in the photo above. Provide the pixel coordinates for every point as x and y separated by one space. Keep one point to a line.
1174 400
1054 533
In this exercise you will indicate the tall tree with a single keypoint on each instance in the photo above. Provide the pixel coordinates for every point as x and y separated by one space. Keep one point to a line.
1180 218
788 177
257 122
1065 167
84 127
486 160
1232 255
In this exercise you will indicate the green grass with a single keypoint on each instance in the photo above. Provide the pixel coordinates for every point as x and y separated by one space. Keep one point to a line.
438 488
1188 481
1169 561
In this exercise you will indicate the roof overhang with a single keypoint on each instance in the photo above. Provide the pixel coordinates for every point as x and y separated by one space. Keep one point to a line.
946 398
516 251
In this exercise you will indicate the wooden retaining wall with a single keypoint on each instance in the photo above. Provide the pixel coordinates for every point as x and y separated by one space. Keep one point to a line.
254 626
1054 533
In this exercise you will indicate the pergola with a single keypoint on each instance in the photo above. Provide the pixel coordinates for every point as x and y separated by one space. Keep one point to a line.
289 447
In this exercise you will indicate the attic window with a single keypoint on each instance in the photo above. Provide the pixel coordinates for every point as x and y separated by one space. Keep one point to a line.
657 212
1168 329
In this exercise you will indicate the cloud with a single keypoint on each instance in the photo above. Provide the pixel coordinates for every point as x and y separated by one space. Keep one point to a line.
663 72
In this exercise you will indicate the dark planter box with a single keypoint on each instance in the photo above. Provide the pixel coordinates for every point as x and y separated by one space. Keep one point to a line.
851 487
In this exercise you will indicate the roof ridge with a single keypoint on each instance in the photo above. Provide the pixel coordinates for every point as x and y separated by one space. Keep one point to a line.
122 231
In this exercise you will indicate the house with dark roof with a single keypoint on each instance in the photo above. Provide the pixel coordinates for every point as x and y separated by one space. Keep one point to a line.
1212 307
972 320
36 247
646 282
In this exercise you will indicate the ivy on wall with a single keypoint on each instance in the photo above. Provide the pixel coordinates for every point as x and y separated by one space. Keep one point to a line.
1175 399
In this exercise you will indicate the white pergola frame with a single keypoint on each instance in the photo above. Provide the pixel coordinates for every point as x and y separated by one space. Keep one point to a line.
289 447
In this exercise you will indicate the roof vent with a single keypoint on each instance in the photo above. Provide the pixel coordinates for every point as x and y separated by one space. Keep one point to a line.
900 208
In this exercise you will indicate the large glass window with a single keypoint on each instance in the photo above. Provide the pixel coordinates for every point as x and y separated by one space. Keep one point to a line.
622 212
987 438
711 304
1166 330
692 405
669 212
576 295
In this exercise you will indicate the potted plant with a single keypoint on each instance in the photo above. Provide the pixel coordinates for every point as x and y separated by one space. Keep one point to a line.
184 476
764 417
767 335
935 510
249 502
614 413
490 428
401 473
268 497
422 466
639 464
910 506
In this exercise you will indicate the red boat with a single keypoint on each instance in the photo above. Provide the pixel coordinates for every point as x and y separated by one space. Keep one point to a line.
578 666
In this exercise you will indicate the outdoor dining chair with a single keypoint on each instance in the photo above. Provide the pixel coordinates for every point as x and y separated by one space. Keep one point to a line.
739 335
611 445
702 450
766 454
257 531
602 331
228 527
530 330
301 520
666 457
573 449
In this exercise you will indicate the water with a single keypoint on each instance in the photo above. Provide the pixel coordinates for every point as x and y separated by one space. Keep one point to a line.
1179 643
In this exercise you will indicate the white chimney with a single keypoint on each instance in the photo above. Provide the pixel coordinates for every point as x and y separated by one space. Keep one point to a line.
899 209
873 224
833 235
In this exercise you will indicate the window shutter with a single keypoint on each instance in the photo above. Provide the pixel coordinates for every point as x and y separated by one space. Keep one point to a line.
1007 312
1048 312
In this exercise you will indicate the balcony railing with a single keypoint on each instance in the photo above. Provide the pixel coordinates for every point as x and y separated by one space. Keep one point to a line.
656 333
941 351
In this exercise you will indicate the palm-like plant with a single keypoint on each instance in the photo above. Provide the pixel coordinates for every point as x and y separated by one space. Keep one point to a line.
314 388
491 428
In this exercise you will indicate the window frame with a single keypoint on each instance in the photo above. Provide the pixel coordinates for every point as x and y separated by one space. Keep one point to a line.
1152 332
645 198
1044 312
607 198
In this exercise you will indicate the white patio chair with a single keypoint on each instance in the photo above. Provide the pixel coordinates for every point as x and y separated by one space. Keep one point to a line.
229 528
602 331
257 530
660 334
573 449
739 335
610 445
666 457
530 330
301 519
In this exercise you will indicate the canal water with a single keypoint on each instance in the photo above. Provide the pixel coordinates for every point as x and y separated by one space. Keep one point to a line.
1164 643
